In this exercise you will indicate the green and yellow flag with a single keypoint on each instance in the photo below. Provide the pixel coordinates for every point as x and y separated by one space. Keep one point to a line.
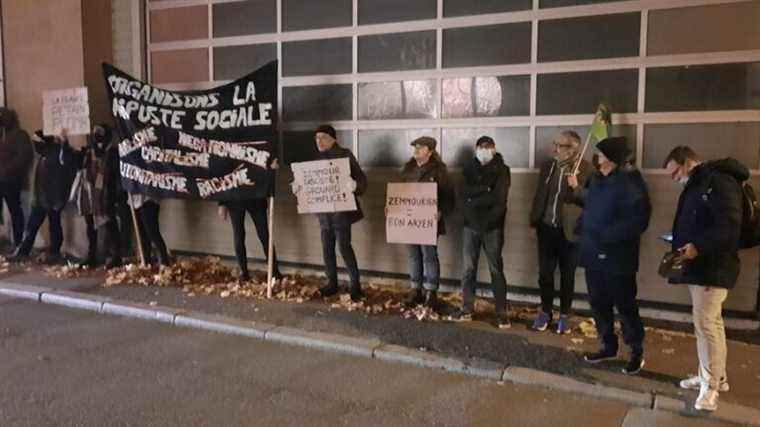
600 127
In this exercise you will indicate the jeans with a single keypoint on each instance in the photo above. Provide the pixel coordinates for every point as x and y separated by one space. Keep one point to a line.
36 218
257 209
424 267
607 290
11 193
707 307
492 242
343 236
554 249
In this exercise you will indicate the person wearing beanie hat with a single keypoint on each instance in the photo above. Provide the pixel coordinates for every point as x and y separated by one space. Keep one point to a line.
554 215
424 266
336 226
617 211
485 192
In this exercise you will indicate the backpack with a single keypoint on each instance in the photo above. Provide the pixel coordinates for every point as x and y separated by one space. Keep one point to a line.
750 230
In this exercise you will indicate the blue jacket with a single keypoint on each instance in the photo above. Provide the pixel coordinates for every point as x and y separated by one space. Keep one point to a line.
616 213
709 215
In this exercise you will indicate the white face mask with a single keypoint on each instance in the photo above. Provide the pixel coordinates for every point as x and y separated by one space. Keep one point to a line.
484 155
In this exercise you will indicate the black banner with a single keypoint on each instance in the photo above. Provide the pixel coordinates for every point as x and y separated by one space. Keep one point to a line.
215 144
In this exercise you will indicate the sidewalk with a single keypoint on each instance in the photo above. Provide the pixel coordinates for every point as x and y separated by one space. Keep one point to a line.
670 354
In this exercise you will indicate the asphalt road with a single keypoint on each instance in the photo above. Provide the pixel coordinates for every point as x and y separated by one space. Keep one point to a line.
62 367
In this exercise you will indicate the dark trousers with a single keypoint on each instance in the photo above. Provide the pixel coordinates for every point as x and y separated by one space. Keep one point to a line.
36 218
342 235
424 267
492 243
11 194
257 209
92 237
607 290
150 232
554 249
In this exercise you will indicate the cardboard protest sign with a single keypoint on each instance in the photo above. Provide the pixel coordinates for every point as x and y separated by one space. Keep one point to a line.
324 186
411 210
66 109
215 144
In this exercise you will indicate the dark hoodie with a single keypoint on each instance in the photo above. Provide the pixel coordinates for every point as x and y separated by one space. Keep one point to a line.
55 172
433 171
485 194
16 153
709 215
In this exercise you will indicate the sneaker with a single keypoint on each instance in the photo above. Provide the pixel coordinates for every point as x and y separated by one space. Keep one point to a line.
415 297
502 321
328 290
462 315
431 299
600 356
693 383
17 258
563 325
356 294
707 399
541 322
634 365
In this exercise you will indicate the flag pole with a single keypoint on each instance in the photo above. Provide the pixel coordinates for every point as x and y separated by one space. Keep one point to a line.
270 248
137 231
583 153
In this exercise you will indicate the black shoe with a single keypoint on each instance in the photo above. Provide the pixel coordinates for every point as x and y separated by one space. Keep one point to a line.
415 297
431 299
244 276
600 356
356 294
114 263
165 260
53 259
462 315
328 291
90 262
634 365
17 258
502 321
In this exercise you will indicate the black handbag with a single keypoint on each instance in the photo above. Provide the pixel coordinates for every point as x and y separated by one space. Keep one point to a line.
672 265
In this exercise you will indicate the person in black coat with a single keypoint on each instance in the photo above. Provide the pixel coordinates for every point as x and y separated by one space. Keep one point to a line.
16 156
706 232
336 226
485 193
617 211
54 175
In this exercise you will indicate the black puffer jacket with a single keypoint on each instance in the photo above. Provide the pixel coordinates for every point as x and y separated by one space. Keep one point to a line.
709 215
344 219
433 171
16 153
56 168
485 194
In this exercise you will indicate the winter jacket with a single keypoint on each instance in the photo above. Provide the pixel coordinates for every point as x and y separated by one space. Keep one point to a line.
16 152
568 202
616 212
433 171
485 194
709 215
56 168
344 219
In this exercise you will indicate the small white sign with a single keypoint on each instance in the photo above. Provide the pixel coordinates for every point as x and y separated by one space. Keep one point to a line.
323 186
66 109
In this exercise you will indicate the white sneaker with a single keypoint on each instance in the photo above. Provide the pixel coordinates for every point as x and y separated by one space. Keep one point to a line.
693 383
707 400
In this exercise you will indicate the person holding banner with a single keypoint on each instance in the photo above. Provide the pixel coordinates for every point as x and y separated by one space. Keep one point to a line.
485 192
16 155
336 226
616 212
554 216
148 209
426 165
53 177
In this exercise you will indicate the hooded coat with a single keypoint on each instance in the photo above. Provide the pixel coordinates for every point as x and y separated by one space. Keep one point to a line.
16 152
709 215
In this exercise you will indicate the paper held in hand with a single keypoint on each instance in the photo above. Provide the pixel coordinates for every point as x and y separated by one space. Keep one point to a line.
324 186
411 210
66 109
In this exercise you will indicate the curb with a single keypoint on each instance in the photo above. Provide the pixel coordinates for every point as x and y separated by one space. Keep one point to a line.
369 348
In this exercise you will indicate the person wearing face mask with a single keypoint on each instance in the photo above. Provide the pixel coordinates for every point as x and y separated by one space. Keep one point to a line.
336 226
16 155
485 193
706 231
554 215
616 212
424 267
53 177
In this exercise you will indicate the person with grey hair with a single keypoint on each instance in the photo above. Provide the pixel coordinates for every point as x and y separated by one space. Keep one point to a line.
554 215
